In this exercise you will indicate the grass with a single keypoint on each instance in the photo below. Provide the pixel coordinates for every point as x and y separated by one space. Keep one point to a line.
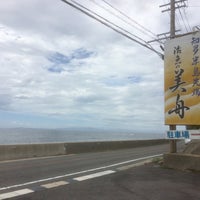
158 160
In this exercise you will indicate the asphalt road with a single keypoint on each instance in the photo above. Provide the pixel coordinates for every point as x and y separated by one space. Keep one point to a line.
50 178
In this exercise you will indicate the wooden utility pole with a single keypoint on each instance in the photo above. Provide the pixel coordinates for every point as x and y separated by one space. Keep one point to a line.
172 34
172 19
173 146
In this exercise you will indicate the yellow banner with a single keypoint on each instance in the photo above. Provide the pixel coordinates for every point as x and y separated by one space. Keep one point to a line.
182 80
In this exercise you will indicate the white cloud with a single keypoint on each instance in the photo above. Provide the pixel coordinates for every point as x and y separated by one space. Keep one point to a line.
58 62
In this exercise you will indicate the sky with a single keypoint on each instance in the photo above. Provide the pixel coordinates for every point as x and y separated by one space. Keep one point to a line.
59 68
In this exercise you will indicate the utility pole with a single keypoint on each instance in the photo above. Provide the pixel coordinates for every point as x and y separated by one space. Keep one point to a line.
173 145
172 9
172 19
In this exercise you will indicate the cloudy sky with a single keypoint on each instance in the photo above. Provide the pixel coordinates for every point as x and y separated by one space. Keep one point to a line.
59 68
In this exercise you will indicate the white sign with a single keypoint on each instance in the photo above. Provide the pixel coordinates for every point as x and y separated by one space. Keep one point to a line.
195 134
183 134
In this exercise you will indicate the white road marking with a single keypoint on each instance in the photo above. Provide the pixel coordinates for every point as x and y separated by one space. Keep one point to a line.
35 158
55 184
15 193
133 165
81 172
90 176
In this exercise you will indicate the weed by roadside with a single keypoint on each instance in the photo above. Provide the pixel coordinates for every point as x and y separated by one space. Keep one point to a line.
158 161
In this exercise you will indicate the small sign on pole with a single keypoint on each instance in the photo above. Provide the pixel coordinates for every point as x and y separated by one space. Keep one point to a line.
182 134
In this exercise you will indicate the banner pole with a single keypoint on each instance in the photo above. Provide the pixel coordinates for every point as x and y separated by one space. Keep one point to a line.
173 146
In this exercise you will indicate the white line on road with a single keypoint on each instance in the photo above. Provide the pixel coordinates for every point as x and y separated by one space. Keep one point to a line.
15 193
90 176
81 172
55 184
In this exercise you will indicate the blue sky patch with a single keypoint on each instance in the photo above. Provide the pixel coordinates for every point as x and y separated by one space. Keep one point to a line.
58 58
55 69
114 81
60 61
122 81
81 54
134 79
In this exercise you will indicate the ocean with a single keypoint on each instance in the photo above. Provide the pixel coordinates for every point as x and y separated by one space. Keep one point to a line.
38 136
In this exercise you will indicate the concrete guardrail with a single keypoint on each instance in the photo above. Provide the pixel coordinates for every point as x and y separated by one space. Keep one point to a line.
18 151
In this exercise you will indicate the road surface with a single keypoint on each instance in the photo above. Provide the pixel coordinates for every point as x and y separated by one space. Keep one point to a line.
50 178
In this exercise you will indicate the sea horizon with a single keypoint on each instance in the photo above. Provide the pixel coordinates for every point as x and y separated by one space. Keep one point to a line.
22 135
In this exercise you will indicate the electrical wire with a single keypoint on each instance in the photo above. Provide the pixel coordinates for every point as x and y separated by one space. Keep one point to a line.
177 20
122 13
182 19
86 11
123 19
108 21
185 22
186 16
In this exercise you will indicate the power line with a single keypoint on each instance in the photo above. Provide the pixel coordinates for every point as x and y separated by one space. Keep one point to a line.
187 20
122 19
106 22
183 19
177 4
186 16
177 20
122 13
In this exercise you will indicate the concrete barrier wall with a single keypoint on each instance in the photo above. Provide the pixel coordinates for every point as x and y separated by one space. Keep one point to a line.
84 147
11 152
189 159
182 161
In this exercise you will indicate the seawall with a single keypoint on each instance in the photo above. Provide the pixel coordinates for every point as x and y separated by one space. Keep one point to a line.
21 151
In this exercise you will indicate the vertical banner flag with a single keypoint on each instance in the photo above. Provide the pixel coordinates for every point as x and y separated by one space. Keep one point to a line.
182 80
